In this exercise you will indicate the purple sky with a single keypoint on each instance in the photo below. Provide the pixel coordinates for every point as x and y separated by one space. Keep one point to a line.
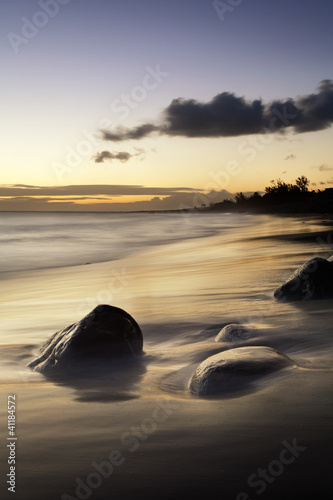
71 66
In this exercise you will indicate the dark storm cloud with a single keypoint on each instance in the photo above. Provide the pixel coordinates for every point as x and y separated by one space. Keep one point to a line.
227 115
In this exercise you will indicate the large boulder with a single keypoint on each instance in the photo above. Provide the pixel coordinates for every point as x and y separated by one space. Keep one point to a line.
313 280
236 369
106 334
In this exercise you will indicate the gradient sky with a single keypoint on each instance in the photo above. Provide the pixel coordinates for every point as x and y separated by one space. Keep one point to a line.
89 67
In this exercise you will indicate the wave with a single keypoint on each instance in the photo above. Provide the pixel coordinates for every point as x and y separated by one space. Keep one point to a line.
43 240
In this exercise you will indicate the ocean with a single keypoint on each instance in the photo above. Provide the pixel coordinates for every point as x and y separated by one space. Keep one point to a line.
182 277
34 240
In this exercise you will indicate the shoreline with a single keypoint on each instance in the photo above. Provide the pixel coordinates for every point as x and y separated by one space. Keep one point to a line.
181 296
310 236
274 210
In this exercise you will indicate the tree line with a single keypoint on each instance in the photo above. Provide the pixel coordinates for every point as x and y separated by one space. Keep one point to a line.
281 197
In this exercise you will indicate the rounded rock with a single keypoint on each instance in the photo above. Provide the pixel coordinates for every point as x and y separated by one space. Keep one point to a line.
234 369
312 281
106 333
233 333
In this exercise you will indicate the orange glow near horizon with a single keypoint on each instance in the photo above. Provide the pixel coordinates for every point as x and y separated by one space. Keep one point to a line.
106 199
77 200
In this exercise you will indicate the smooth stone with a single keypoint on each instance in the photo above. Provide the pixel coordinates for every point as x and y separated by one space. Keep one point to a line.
106 334
312 281
234 369
233 333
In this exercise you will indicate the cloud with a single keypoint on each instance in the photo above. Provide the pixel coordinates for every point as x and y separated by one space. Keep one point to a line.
102 198
316 109
227 115
90 190
23 185
123 133
290 157
107 155
323 168
122 156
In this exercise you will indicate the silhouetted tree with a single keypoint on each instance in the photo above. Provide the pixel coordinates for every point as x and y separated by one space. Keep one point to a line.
303 183
240 198
282 197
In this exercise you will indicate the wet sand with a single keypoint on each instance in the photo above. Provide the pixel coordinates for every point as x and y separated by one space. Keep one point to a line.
138 432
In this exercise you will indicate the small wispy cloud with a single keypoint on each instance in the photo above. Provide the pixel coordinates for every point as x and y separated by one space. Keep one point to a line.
322 168
326 183
122 156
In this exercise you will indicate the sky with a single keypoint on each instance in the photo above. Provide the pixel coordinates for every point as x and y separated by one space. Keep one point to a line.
157 104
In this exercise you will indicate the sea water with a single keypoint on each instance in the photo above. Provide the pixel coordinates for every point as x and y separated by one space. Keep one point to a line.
182 277
35 240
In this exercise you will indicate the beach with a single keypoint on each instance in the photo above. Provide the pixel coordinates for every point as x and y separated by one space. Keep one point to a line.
138 432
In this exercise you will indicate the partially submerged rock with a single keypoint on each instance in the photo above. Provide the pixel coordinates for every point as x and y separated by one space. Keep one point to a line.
233 333
313 280
106 334
234 369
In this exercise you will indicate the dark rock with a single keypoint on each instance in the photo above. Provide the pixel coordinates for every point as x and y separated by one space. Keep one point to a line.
235 369
313 280
233 333
106 334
